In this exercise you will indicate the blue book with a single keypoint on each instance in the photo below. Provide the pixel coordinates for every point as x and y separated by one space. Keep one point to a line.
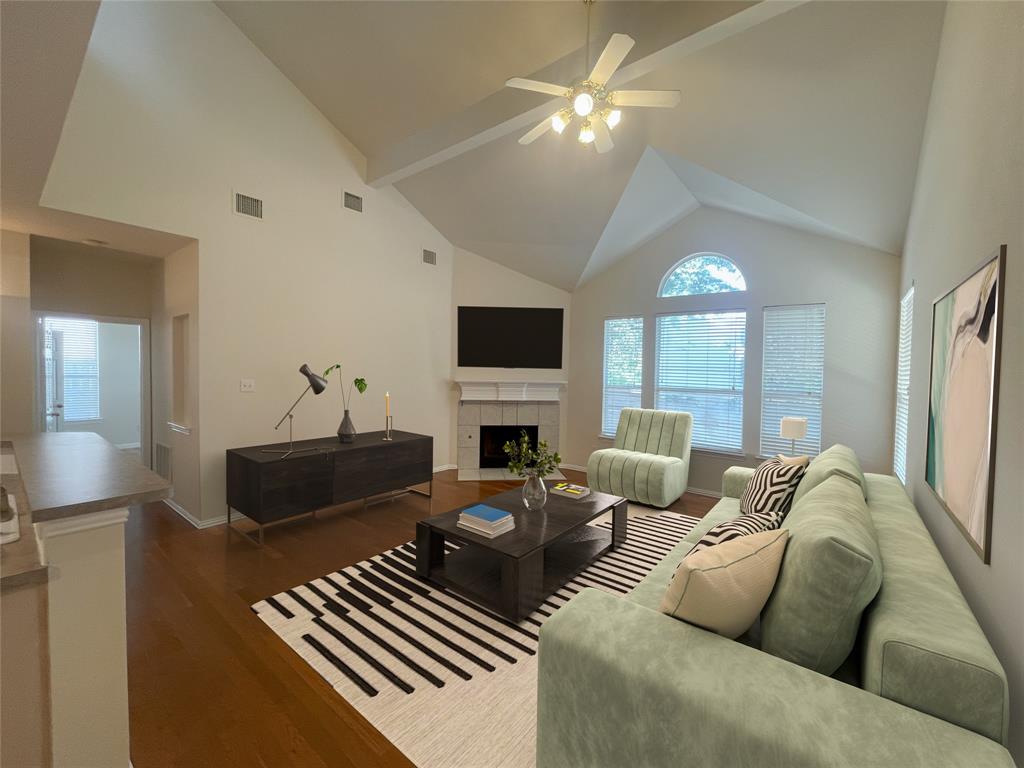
486 513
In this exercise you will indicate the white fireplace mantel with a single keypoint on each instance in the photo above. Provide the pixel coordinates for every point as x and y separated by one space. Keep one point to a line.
540 391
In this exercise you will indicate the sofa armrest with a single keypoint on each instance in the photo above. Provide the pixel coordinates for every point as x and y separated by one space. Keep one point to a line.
735 480
623 685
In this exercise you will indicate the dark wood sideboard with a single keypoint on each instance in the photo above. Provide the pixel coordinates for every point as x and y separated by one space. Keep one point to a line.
267 488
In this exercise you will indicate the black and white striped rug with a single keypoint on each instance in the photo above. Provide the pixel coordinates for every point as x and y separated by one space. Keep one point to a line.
449 683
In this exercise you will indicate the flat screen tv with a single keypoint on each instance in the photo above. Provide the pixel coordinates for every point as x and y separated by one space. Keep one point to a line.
509 337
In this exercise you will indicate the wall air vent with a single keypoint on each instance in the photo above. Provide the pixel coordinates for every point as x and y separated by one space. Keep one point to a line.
429 257
164 461
353 202
248 206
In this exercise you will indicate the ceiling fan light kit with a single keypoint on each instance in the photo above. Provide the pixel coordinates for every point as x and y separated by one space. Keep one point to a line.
583 104
589 99
586 132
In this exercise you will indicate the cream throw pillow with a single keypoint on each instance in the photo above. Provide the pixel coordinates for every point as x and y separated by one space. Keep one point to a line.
723 588
795 461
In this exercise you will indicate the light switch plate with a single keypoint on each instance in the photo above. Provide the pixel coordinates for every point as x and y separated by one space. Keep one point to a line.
247 385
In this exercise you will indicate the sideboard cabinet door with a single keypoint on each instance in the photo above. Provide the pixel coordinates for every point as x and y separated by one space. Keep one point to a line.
411 462
296 485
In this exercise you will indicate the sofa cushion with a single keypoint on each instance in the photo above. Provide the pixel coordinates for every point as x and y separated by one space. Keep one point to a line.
831 571
921 645
648 592
647 478
770 491
837 460
723 588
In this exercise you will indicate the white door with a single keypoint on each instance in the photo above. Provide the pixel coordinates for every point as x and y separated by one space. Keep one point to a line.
70 369
93 377
52 345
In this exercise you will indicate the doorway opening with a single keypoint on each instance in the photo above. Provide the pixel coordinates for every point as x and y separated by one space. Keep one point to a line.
92 376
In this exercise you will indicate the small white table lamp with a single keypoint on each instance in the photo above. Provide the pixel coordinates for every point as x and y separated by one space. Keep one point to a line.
793 427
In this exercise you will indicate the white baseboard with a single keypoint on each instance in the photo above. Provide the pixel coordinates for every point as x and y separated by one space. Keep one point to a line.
196 522
577 467
128 446
702 492
444 467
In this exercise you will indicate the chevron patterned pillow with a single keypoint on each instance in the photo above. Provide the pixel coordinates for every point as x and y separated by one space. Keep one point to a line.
744 525
770 491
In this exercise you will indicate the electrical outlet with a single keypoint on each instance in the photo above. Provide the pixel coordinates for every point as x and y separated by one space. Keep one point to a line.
247 385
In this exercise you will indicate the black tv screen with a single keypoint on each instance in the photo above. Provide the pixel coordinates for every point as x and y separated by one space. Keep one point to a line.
510 337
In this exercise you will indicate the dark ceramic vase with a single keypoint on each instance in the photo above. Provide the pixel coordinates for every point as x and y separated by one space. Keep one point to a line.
347 430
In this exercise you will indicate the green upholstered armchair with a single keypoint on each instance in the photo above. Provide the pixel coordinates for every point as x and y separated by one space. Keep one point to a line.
650 462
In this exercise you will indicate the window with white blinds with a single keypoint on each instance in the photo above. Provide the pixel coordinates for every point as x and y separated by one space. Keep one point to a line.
899 453
699 369
623 368
792 375
71 352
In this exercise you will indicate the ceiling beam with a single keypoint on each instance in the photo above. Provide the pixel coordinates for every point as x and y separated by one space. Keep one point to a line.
501 114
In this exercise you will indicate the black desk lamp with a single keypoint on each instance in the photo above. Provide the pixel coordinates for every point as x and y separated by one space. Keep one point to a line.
318 384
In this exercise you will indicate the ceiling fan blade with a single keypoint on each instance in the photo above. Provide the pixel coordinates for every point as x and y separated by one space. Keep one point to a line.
536 85
645 98
536 132
611 57
602 136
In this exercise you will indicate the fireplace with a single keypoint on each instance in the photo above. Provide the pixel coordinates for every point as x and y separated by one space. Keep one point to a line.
493 439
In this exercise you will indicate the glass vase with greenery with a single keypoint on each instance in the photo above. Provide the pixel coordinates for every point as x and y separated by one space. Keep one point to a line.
534 464
347 430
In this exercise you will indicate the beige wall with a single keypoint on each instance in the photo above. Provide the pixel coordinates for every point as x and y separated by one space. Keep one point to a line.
17 359
177 293
479 282
970 199
175 109
83 279
781 266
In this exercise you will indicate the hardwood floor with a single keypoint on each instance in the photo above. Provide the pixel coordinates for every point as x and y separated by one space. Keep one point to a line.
209 684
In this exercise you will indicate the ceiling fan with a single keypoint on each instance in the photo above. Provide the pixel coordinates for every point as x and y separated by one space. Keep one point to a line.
590 100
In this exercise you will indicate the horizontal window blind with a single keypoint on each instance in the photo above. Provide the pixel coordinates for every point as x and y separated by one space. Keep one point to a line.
699 370
76 342
623 368
899 453
792 375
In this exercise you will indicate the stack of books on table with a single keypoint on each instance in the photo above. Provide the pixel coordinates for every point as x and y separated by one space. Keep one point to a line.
570 490
486 521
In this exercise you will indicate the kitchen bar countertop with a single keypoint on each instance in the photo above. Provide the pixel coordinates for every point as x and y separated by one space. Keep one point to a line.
63 474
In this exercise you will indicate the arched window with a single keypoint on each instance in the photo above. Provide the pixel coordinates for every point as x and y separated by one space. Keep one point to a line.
702 273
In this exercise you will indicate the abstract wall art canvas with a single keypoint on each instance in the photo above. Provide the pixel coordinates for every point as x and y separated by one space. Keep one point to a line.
963 399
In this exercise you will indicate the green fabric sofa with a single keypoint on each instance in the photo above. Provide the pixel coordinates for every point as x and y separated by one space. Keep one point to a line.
650 460
621 684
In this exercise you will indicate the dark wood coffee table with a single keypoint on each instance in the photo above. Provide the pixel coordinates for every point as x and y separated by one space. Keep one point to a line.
515 572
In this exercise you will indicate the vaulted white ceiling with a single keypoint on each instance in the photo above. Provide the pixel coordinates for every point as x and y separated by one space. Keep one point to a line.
41 52
805 113
812 118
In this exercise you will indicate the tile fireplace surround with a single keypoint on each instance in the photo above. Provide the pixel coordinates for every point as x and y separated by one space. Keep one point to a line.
520 404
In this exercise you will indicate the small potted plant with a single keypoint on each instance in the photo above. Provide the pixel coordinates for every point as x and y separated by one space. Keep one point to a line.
534 464
347 430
